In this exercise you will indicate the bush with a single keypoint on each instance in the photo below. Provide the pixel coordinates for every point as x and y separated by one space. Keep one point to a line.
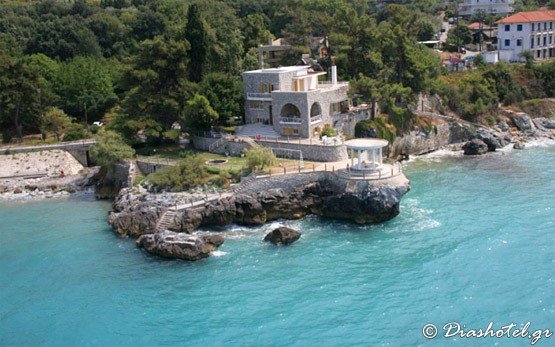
110 148
6 136
379 127
260 157
189 173
186 153
75 132
222 180
213 170
329 132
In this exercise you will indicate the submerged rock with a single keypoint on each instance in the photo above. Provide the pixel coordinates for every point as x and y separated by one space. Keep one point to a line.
282 235
475 147
169 244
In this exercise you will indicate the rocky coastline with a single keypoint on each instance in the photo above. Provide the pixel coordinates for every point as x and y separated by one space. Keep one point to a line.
136 212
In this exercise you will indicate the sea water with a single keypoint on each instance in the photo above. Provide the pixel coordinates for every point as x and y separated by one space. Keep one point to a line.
474 244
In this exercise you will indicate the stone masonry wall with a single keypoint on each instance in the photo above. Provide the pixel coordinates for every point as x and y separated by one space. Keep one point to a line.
310 152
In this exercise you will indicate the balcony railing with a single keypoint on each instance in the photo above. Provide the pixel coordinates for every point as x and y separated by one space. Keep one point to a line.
315 119
291 120
259 95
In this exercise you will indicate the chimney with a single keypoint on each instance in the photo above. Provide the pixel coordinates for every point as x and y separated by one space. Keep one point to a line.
334 74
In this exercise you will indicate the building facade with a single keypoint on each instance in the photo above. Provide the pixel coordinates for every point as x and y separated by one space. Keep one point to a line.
470 7
294 101
527 31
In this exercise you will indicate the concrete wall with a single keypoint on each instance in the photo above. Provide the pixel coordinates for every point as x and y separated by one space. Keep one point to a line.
310 152
146 168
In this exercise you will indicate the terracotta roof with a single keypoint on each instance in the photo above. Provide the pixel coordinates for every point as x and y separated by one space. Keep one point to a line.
476 26
529 17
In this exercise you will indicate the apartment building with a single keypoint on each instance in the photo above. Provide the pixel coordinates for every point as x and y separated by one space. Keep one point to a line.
527 31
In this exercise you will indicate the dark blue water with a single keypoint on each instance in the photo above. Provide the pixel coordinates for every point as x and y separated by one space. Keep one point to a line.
474 243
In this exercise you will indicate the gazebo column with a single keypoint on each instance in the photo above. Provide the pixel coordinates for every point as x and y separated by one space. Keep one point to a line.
352 157
373 158
380 159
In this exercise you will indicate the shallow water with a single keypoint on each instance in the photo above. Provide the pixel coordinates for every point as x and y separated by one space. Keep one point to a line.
474 243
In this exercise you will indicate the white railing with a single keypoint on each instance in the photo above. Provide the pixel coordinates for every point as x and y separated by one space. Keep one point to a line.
315 119
294 120
259 95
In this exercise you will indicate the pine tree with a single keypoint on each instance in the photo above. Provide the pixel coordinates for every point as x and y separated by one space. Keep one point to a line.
196 34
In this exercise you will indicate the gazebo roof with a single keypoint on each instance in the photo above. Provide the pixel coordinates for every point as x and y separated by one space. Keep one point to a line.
366 144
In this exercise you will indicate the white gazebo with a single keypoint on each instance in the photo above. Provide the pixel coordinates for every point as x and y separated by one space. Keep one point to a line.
368 153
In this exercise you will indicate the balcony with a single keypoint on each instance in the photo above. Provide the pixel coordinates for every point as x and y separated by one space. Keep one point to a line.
290 120
259 96
315 119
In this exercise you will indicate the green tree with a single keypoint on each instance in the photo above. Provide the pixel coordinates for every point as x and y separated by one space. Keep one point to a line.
195 33
55 121
255 32
459 36
86 88
110 148
20 97
199 115
225 94
64 38
260 157
157 85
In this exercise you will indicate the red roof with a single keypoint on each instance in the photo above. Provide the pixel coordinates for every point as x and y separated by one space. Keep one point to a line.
476 26
529 17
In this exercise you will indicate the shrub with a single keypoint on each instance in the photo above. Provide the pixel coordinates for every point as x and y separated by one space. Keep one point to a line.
329 132
75 132
213 170
110 148
189 173
6 136
260 157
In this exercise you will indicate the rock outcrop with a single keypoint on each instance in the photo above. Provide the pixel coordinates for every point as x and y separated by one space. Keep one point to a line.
475 147
294 196
519 145
282 236
172 245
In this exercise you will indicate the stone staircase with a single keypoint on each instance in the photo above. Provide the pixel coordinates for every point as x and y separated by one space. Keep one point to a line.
166 221
244 183
250 130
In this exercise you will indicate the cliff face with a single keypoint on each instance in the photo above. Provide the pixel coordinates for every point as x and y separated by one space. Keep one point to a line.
287 196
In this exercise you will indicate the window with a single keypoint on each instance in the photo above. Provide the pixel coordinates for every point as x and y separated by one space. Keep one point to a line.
538 53
532 43
519 42
256 105
507 43
519 27
507 27
550 25
539 42
545 26
262 88
545 40
533 26
550 39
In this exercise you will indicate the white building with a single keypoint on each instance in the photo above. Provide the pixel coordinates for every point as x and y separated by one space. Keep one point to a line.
469 7
527 31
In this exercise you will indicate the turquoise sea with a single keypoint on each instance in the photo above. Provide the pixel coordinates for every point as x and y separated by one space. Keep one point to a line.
474 243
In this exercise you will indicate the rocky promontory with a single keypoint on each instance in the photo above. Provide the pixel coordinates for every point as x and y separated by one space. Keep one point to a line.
136 212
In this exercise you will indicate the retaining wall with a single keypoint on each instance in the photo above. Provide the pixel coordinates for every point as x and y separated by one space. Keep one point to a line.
310 152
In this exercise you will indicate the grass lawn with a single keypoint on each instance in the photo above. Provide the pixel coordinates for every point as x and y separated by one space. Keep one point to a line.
173 153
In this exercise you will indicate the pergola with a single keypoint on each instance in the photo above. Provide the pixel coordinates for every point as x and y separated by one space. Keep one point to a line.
369 153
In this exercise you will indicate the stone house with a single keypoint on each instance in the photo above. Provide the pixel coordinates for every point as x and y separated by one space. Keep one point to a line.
295 100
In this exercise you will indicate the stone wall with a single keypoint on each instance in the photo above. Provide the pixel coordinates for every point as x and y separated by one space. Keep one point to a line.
310 152
146 168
